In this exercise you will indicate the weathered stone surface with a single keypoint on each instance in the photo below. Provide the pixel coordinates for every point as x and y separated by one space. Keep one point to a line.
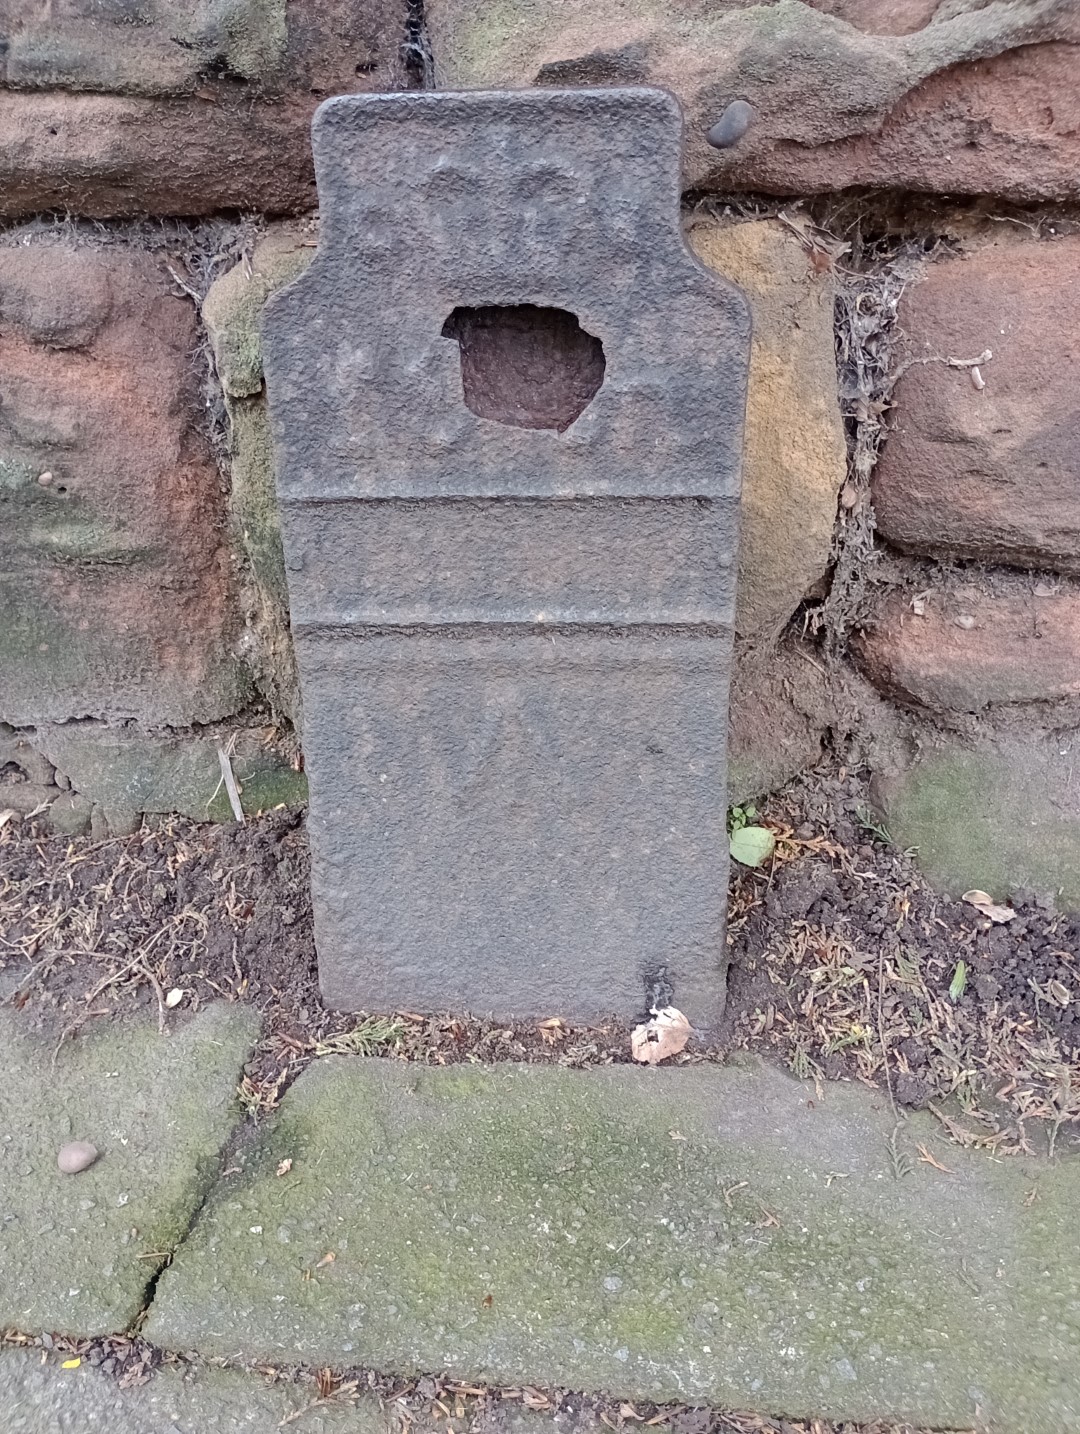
114 579
990 473
977 649
535 1224
159 1109
881 17
27 780
232 313
125 776
170 49
995 815
978 99
782 704
796 455
42 1398
196 108
514 659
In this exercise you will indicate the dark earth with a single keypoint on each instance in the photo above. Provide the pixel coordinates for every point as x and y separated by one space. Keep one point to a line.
844 964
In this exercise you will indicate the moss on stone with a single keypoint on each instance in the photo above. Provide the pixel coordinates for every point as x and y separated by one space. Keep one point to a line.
996 817
158 1109
126 775
232 312
699 1234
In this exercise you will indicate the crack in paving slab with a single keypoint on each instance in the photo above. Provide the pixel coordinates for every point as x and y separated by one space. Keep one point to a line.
41 1394
82 1252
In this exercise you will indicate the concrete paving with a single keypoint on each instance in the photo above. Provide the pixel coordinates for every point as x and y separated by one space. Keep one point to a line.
721 1236
77 1252
41 1397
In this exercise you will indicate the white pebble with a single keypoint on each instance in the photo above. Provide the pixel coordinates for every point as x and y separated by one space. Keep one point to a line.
75 1156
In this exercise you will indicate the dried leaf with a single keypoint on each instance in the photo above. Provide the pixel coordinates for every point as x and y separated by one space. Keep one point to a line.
7 815
988 907
1060 993
285 1166
71 1364
663 1035
327 1259
925 1158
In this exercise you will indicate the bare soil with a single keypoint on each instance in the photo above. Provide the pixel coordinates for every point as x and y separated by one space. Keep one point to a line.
844 964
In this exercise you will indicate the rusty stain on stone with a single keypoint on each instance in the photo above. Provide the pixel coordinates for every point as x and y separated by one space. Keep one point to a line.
508 407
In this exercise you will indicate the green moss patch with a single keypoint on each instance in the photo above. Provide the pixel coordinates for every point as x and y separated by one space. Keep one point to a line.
78 1251
996 817
721 1236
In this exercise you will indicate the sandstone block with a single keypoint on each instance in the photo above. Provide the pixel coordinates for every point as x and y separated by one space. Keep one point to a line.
124 776
977 650
782 704
990 473
960 97
232 313
796 455
996 814
194 109
114 576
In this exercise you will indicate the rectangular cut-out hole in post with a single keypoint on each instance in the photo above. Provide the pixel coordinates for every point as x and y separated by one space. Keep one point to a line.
524 365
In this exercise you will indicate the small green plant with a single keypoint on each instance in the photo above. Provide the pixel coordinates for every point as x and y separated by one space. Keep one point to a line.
959 981
739 817
372 1035
869 823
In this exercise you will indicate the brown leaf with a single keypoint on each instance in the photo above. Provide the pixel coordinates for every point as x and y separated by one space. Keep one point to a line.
987 906
925 1158
327 1259
664 1034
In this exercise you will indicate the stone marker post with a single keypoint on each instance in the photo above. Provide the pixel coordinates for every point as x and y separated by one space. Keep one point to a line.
508 410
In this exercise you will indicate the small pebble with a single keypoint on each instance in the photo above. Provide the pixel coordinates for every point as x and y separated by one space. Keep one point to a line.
732 124
44 479
76 1155
965 620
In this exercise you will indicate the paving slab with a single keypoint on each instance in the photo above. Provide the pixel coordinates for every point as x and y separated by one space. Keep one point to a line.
716 1235
39 1396
76 1251
43 1398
